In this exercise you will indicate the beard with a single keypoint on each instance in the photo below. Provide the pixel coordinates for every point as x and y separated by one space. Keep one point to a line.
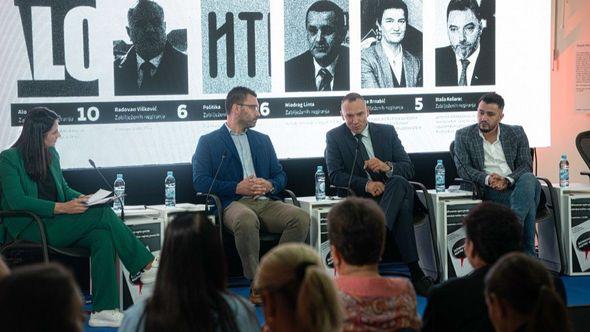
486 129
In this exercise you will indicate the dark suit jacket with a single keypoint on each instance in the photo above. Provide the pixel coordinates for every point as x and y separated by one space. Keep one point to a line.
170 78
340 149
208 157
469 154
300 72
458 305
446 67
19 191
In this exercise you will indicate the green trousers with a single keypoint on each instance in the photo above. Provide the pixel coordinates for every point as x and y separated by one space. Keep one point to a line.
100 230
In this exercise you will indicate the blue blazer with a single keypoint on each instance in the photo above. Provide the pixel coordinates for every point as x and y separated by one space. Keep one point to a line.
340 148
209 154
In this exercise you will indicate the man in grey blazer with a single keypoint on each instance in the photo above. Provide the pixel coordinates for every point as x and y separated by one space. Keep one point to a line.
370 159
497 157
386 64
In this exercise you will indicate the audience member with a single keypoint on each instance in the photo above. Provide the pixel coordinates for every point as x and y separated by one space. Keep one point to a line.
190 293
40 298
520 296
298 293
492 230
356 229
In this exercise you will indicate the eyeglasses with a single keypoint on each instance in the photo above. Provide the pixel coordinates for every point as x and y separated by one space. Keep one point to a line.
251 106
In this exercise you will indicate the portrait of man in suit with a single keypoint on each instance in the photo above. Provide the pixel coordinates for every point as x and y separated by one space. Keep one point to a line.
325 65
469 59
152 66
387 64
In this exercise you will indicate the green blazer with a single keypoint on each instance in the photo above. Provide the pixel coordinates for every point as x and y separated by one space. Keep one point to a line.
19 192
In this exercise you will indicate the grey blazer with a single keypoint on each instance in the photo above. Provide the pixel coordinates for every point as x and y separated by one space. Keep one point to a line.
469 155
376 71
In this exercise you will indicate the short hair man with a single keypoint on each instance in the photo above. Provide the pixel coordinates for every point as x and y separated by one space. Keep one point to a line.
492 230
464 61
240 166
381 171
497 157
324 67
356 230
152 65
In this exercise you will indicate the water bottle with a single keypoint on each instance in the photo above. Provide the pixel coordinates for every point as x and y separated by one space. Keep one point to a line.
564 172
439 176
320 184
119 191
170 190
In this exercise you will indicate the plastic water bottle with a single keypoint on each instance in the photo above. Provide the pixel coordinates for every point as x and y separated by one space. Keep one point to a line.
119 191
564 172
170 190
320 184
439 176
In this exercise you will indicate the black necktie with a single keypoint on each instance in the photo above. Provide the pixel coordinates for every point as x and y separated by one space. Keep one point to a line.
146 70
326 80
365 155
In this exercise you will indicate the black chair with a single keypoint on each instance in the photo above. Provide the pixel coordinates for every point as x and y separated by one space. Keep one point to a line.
7 243
583 145
548 204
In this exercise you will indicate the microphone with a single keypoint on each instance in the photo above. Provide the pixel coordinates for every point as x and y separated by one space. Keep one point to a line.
91 162
356 153
223 155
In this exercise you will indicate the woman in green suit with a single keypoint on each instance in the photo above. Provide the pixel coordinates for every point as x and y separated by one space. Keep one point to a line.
31 179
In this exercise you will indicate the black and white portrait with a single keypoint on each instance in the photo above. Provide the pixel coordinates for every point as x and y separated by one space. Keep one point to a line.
391 55
316 46
154 62
466 35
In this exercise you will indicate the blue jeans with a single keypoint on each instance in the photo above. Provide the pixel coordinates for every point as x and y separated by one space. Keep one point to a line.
523 198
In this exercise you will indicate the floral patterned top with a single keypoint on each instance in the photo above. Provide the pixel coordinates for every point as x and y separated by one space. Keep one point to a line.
377 303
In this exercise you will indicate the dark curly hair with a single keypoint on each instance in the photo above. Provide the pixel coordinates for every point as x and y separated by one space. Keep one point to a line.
494 231
356 228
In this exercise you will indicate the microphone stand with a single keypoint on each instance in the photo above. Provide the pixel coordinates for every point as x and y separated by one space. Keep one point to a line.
91 162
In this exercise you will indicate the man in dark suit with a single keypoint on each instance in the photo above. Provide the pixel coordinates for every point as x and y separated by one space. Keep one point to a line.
152 66
381 170
497 157
492 230
468 60
324 67
240 166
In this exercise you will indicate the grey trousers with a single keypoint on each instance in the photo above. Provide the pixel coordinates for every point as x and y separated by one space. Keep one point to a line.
245 217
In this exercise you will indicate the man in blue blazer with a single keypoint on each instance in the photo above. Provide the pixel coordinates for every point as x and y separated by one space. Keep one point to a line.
381 170
497 157
248 177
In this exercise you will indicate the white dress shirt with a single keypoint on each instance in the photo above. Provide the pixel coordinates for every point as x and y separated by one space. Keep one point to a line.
494 158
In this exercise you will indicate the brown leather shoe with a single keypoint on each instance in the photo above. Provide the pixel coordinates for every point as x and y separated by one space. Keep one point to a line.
255 297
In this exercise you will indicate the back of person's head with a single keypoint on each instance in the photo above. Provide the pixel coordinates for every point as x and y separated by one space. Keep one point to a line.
494 231
40 298
520 283
31 142
237 95
292 278
356 228
191 279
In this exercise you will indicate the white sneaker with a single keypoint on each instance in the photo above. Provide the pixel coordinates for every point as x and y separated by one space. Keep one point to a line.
106 318
149 276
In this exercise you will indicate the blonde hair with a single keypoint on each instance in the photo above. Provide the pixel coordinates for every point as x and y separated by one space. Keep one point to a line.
294 272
